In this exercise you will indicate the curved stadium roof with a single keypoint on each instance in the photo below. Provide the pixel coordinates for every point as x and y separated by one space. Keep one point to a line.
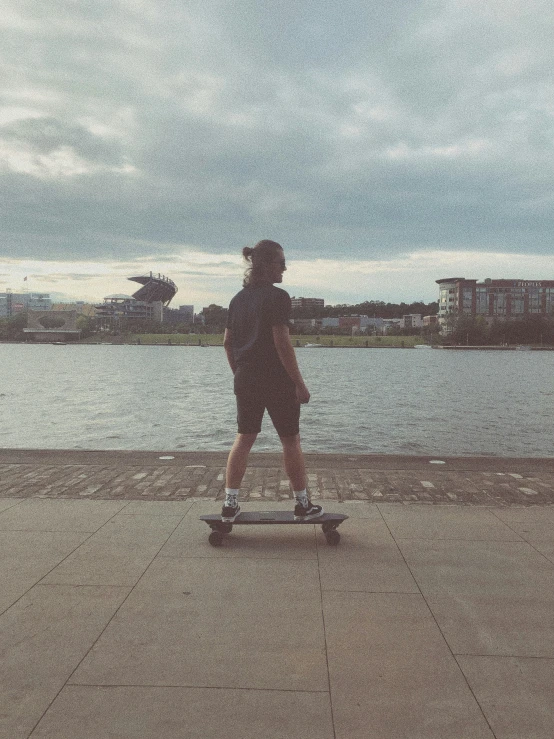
154 288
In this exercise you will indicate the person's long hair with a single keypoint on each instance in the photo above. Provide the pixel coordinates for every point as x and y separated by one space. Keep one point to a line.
258 259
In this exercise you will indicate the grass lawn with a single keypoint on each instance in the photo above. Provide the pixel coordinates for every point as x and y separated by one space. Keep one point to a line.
298 341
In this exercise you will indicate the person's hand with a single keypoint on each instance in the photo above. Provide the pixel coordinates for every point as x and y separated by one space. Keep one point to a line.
302 393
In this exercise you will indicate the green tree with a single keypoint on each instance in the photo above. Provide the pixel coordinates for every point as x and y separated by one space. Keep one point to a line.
14 327
470 330
86 325
215 318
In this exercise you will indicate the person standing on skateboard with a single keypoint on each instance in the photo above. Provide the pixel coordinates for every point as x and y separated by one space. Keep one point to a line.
266 375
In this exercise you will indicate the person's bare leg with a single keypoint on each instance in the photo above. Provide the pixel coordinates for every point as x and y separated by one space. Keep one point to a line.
238 459
294 462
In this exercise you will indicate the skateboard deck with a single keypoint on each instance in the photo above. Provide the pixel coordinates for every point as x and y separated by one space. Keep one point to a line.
329 523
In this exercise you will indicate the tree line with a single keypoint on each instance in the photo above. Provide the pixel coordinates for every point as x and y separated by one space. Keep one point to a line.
474 331
371 308
469 330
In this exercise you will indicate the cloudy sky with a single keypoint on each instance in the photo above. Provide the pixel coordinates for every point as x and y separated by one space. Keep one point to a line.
384 143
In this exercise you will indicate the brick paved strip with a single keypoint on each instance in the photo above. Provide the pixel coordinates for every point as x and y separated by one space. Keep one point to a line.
118 475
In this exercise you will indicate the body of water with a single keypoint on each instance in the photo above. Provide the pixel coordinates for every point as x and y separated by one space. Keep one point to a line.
386 401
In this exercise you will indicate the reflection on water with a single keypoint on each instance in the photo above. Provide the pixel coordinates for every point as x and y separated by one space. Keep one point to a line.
363 401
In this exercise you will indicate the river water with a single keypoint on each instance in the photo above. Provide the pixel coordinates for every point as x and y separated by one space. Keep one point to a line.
364 401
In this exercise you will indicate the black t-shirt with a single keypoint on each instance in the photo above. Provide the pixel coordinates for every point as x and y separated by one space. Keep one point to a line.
252 314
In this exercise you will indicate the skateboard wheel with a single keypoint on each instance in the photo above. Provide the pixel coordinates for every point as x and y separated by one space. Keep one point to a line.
333 538
328 526
216 538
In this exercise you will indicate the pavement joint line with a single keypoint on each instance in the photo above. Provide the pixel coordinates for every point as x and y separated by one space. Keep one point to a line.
254 558
195 687
475 541
39 582
325 637
114 614
504 656
440 631
370 592
538 551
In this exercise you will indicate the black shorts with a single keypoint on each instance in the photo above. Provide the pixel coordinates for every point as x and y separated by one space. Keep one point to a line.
282 406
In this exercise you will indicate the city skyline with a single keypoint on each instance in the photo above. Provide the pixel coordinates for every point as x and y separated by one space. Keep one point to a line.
384 145
210 279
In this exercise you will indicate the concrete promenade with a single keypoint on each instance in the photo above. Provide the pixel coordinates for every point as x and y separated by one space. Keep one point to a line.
432 619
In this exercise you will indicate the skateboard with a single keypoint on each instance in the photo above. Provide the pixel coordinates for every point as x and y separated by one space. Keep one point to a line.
329 523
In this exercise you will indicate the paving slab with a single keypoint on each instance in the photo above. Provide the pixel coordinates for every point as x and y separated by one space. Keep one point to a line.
36 514
27 556
42 640
176 627
118 553
158 507
496 625
534 525
489 597
455 567
516 514
401 647
6 503
391 673
445 522
515 694
367 559
82 712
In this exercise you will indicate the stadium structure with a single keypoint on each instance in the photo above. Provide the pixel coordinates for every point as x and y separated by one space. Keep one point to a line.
147 302
155 289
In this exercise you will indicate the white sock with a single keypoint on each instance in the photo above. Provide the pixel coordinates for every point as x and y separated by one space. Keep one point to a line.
231 496
302 497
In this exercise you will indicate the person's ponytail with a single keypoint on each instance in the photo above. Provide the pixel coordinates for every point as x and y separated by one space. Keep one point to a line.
258 257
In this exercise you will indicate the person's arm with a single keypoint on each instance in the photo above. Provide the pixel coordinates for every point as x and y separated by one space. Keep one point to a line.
228 346
285 350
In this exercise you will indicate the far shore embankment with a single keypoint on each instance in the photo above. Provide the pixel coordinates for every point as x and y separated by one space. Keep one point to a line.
299 342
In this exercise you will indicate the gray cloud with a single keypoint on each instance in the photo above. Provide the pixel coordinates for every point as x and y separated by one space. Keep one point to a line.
361 130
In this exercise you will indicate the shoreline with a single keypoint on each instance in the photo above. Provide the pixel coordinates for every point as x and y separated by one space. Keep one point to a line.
456 347
169 457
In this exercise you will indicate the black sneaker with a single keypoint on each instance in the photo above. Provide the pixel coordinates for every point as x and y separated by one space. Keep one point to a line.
229 513
303 513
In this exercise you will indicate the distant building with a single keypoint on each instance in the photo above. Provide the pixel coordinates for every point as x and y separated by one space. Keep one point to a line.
369 322
118 306
389 323
52 325
362 323
184 314
155 288
349 321
494 299
147 303
305 323
187 313
411 320
430 320
13 303
79 306
307 302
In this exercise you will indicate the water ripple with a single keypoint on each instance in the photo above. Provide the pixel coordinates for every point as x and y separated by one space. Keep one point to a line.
397 402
